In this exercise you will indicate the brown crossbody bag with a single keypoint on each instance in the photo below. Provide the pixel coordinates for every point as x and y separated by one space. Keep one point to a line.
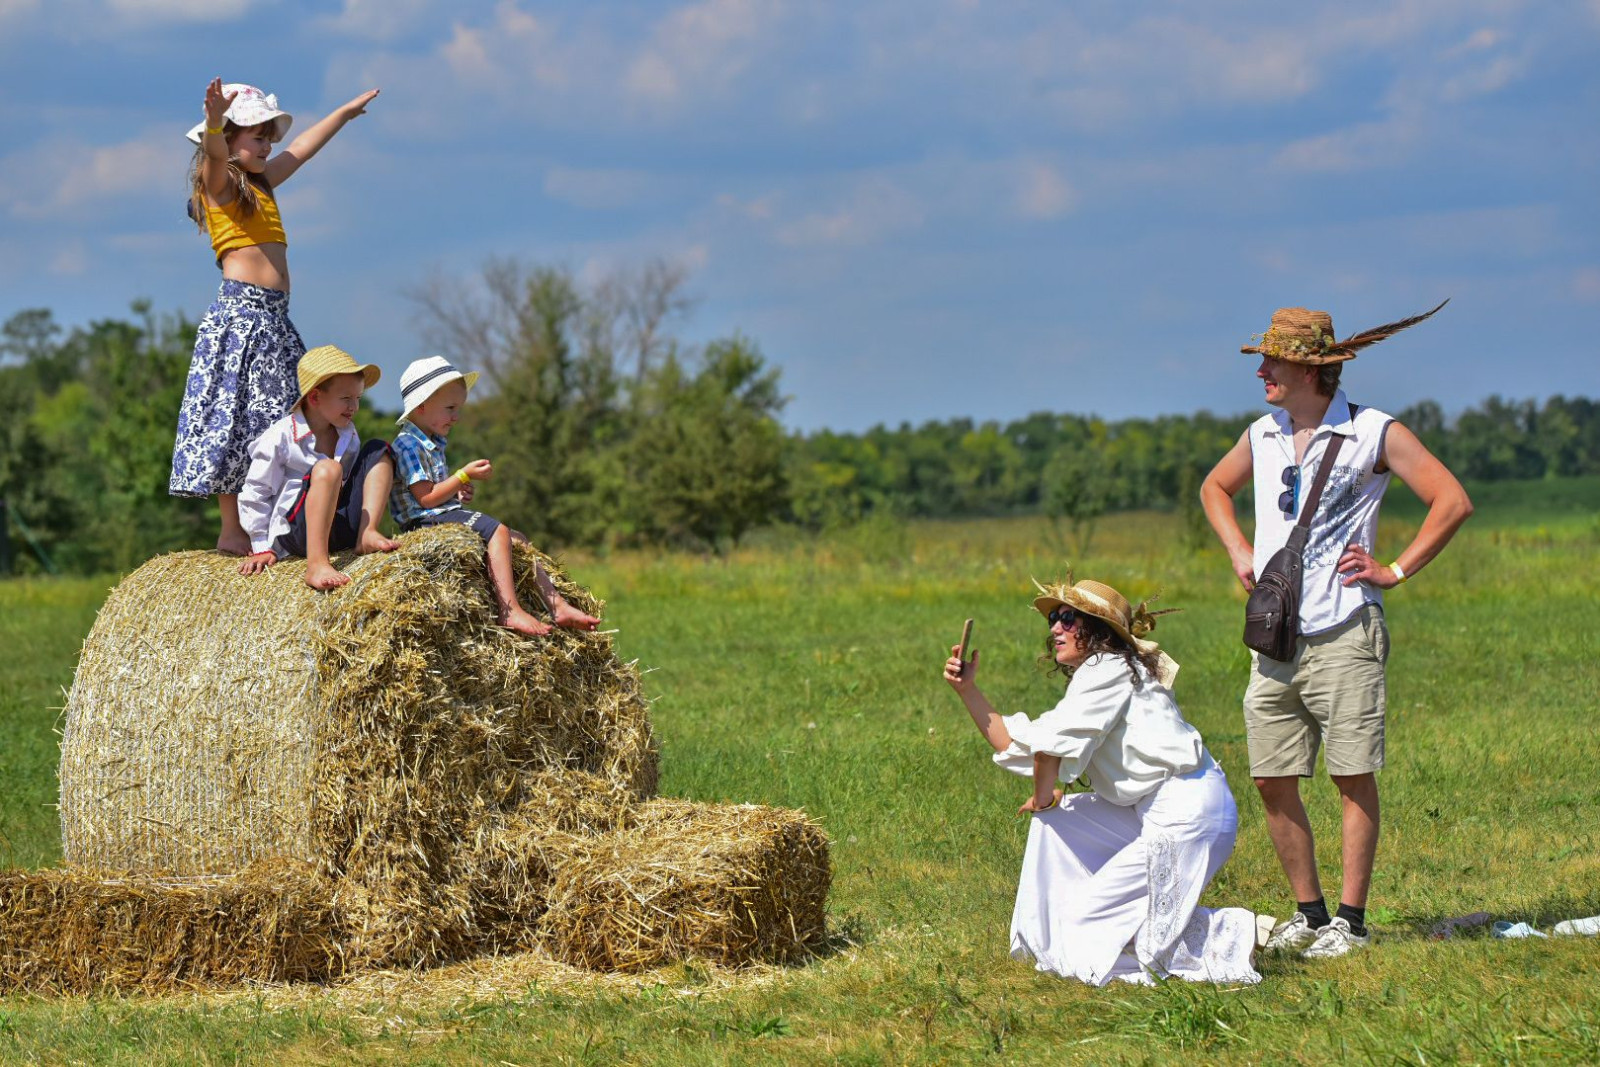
1272 614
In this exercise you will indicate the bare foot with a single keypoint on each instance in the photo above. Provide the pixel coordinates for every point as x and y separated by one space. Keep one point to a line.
373 541
323 576
570 618
234 544
520 621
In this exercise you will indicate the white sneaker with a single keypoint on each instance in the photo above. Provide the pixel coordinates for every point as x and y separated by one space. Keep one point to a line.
1589 927
1293 936
1336 939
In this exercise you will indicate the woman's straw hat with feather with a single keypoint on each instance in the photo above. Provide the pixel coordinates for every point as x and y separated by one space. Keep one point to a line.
1301 336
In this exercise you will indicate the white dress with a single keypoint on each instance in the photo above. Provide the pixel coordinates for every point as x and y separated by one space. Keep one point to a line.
1111 879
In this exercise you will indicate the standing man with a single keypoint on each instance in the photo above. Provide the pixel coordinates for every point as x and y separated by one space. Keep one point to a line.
1331 691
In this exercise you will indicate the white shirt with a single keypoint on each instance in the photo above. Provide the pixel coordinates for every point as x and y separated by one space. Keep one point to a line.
1347 512
1125 740
280 461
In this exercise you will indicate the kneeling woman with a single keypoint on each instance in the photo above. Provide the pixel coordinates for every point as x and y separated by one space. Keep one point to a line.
1111 878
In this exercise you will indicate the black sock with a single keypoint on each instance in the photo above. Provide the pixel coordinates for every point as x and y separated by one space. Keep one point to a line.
1356 917
1316 912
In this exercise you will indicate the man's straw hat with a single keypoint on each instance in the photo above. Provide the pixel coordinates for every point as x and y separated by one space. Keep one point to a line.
330 361
1130 623
1301 336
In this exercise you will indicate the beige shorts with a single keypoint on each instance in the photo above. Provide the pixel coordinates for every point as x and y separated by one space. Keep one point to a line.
1332 692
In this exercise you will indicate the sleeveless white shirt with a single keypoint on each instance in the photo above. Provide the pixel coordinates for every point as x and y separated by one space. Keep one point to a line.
1348 511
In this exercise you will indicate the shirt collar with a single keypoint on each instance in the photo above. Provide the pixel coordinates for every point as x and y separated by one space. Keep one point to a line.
1337 419
300 429
428 441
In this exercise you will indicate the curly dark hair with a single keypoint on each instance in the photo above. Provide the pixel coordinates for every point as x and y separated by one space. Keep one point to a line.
1095 635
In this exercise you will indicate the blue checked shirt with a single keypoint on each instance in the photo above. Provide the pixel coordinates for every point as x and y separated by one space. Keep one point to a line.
418 457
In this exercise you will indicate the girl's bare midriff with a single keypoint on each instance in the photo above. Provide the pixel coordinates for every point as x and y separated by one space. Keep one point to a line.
266 265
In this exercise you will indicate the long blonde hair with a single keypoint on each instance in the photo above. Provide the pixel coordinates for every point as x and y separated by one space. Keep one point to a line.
244 188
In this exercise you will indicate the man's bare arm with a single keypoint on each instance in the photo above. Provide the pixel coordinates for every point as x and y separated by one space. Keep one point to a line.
1229 476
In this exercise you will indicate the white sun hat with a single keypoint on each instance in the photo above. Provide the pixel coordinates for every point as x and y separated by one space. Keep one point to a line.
424 378
250 107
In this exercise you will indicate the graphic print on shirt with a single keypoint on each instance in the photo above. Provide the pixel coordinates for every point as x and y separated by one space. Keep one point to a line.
1338 516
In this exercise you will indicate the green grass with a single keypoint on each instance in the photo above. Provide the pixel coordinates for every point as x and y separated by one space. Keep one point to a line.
806 674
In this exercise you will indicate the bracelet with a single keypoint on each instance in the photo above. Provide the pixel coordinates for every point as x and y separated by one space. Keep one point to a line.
1054 800
219 129
1398 573
466 479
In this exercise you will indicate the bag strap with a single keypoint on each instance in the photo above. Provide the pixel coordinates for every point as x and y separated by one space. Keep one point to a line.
1313 498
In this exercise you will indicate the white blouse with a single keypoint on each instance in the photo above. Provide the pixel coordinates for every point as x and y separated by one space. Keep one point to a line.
1125 740
280 462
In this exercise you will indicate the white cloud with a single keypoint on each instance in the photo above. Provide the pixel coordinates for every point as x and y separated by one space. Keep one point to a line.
700 48
599 189
13 8
876 208
70 260
377 20
179 10
59 177
1363 146
1042 192
1586 285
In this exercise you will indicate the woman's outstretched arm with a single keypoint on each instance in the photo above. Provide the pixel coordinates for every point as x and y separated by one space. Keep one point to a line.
963 678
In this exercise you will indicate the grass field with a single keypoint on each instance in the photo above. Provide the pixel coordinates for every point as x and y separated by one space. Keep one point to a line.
806 674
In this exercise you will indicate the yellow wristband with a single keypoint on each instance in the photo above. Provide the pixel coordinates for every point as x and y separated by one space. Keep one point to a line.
1398 573
1053 802
466 479
219 129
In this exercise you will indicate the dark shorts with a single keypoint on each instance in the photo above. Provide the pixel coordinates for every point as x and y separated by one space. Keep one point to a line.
483 525
346 514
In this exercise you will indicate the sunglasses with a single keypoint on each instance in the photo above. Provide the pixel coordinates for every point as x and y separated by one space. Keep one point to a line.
1066 616
1288 498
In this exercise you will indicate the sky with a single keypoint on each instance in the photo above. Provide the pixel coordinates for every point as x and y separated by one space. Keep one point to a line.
918 210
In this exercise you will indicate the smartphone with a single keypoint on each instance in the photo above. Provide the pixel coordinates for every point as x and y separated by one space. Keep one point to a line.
966 636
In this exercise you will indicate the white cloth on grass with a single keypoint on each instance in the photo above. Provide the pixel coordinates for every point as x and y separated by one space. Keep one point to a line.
1111 891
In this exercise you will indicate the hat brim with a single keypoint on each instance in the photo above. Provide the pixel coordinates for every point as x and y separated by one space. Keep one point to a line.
281 121
1331 356
468 378
370 373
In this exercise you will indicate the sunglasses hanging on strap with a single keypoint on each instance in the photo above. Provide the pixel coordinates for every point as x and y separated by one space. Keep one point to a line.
1272 614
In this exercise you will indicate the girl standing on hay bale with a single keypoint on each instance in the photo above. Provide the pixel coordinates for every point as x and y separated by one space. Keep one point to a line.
427 493
242 376
1112 878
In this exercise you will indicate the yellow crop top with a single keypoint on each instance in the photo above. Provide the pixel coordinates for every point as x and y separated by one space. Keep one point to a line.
230 228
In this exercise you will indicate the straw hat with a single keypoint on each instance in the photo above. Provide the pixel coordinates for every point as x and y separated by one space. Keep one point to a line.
1301 336
330 361
1109 606
424 378
250 107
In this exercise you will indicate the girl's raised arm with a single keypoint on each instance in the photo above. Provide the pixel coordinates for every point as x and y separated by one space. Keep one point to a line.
214 167
283 164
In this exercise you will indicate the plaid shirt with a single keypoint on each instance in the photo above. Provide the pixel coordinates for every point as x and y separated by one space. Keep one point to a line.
418 457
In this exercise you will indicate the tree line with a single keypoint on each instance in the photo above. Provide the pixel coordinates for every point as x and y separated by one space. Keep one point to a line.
607 430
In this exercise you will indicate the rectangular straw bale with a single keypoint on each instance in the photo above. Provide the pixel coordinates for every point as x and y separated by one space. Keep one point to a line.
64 931
730 883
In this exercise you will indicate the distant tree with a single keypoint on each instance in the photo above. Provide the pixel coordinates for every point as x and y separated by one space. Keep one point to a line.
705 461
1078 483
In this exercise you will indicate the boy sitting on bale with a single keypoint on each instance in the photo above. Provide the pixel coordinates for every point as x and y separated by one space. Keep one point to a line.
427 493
313 488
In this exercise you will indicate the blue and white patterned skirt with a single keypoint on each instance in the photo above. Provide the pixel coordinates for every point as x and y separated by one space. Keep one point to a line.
241 380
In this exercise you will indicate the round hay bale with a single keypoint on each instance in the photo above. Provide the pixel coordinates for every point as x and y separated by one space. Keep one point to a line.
218 720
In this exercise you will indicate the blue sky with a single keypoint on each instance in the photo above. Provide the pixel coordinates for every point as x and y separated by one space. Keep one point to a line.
919 210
